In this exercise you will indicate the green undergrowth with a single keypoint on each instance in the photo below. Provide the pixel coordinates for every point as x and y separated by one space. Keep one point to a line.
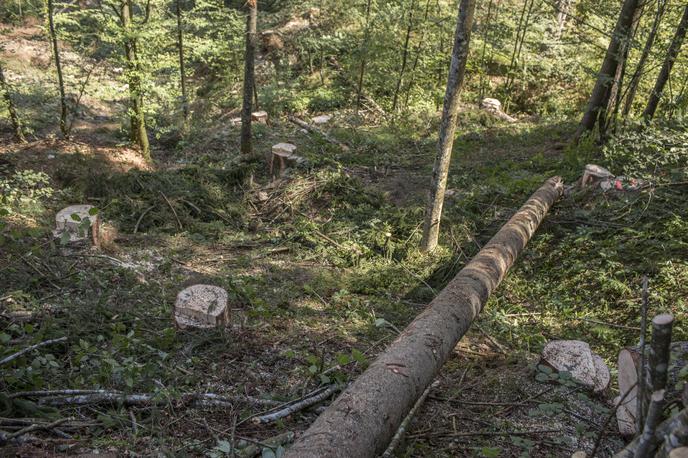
322 267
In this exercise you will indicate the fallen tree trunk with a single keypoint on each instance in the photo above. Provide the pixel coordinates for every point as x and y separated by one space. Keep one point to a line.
328 138
364 418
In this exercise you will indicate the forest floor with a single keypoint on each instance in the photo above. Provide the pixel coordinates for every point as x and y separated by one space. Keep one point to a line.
323 271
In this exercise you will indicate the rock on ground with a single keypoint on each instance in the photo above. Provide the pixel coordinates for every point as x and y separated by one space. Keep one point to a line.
576 357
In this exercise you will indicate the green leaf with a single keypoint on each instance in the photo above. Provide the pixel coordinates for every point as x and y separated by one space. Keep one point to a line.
93 212
75 217
491 452
358 356
224 446
343 359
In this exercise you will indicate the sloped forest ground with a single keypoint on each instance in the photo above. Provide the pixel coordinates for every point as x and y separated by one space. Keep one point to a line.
323 271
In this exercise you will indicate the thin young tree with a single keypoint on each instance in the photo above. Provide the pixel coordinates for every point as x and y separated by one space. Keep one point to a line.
64 128
139 134
180 47
418 51
249 75
640 67
599 99
665 72
450 113
364 57
404 54
611 112
14 116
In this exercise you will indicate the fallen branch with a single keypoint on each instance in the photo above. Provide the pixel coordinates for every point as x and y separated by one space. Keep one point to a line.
303 124
492 433
138 222
4 438
374 406
611 415
28 349
94 397
399 435
181 228
297 406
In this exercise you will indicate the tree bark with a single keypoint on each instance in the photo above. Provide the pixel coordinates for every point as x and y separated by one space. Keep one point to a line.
362 421
563 8
249 76
14 117
640 68
182 72
665 72
450 115
609 116
58 66
138 133
599 99
404 56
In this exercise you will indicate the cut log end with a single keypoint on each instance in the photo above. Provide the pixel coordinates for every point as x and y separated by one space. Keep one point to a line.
662 320
77 223
201 306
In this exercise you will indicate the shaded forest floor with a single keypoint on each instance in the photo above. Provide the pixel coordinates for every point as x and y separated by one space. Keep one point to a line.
322 269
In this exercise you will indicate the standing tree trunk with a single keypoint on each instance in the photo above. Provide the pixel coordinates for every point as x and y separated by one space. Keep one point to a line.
249 75
138 133
450 114
563 7
640 68
610 115
665 72
364 56
14 117
182 73
58 66
599 99
404 55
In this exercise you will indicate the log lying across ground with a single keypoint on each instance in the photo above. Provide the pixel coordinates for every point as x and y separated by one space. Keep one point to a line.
364 418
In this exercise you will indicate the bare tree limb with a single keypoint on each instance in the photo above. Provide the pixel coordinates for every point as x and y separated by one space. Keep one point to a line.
296 407
28 349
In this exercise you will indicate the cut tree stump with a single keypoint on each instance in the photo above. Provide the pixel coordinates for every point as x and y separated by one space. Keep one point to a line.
284 154
260 117
576 357
76 224
594 174
362 421
201 306
494 107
